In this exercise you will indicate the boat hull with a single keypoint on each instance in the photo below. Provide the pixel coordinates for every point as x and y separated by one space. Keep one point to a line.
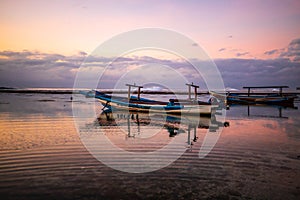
159 108
272 100
176 107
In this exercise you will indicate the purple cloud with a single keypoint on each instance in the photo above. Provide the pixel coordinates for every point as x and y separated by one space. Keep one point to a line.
293 50
271 52
241 54
242 72
36 69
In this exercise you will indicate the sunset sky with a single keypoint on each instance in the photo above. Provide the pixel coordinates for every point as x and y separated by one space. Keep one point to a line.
264 35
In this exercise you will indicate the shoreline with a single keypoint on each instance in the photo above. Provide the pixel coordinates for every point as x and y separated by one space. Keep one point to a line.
110 91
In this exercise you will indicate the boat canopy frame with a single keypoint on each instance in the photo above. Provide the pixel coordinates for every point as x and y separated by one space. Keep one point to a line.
135 86
189 90
262 87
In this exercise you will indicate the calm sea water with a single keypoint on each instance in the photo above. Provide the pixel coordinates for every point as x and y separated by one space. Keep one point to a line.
42 155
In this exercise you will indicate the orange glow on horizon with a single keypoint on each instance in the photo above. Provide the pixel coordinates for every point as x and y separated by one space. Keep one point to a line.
224 29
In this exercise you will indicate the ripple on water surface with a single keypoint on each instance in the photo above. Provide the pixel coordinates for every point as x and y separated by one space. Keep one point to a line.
42 157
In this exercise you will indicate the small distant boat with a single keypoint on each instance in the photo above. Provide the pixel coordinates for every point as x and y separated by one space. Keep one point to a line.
138 104
272 99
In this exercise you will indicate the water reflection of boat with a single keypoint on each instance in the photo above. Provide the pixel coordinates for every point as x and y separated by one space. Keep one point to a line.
264 110
174 124
170 122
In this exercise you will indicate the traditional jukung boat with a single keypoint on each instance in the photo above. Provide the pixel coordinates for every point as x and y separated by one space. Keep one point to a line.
256 98
138 104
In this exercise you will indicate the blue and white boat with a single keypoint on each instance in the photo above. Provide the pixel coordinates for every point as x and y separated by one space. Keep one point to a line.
148 105
173 106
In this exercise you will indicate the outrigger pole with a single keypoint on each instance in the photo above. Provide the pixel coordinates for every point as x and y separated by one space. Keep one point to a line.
195 90
129 90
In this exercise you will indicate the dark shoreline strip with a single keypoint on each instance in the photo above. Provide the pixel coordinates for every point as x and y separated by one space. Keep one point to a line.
38 91
76 91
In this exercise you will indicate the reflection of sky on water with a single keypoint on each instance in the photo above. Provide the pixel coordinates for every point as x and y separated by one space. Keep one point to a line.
292 127
256 155
24 105
271 117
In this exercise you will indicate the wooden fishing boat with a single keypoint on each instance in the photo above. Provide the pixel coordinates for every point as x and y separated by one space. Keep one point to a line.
263 98
146 105
138 104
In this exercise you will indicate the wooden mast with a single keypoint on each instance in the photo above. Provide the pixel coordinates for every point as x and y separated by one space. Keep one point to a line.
129 90
195 90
